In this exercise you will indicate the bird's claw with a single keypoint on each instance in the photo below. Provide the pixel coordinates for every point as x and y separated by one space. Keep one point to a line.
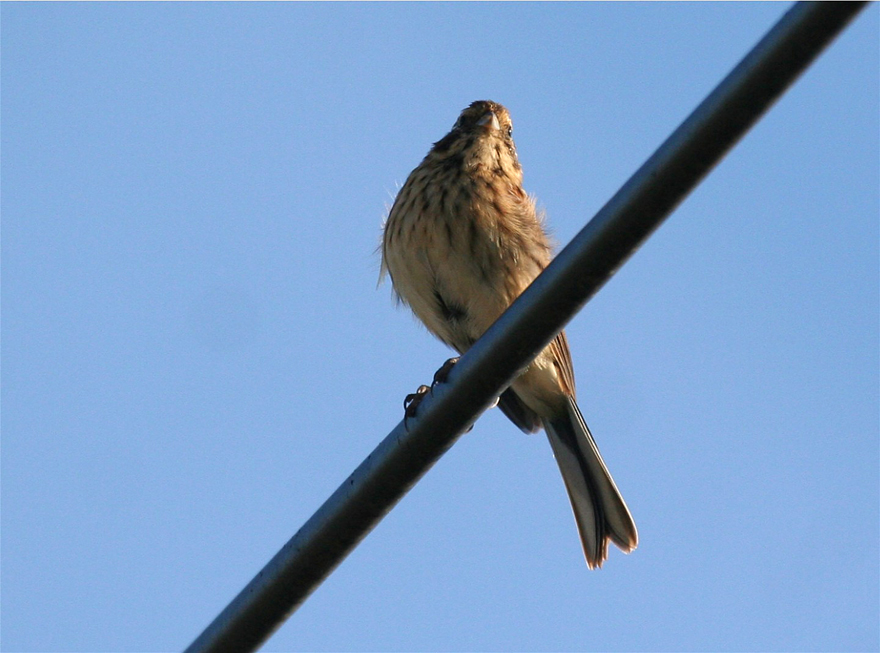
442 375
411 402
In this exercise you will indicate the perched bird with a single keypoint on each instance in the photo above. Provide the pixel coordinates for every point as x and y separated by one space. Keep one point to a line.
462 241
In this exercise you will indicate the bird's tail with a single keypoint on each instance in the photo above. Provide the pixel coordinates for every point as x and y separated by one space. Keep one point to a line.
599 510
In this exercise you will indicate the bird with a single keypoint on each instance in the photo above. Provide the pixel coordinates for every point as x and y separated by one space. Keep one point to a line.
461 242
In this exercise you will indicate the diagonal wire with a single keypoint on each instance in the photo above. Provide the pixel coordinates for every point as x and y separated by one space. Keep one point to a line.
574 276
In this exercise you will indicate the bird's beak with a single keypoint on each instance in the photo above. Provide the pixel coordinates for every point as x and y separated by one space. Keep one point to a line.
490 119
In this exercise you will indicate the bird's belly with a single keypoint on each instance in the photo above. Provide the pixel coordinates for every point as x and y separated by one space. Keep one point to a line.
457 295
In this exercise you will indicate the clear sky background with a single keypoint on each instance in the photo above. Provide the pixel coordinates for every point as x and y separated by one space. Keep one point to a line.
195 351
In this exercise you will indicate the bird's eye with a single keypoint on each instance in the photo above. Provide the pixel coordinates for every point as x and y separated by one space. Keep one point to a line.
509 131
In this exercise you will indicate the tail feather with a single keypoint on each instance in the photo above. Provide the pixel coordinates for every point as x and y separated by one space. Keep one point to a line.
599 510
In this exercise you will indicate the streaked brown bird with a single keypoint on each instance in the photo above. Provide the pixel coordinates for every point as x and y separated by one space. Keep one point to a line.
462 241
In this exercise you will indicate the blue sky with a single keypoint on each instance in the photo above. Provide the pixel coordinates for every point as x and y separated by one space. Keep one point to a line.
195 353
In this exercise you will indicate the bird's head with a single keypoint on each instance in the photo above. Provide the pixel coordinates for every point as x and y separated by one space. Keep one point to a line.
482 138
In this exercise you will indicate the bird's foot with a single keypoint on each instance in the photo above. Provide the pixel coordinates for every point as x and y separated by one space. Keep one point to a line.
442 375
411 403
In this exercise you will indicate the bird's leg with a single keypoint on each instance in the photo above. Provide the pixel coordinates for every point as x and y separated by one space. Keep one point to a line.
442 375
411 403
